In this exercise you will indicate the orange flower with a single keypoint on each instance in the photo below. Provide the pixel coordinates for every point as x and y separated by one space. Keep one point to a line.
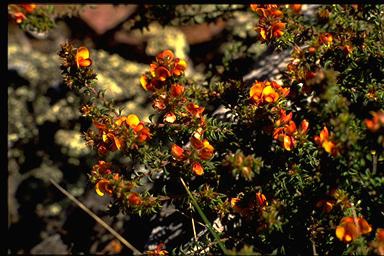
261 199
194 109
82 57
324 141
312 50
143 133
207 152
103 186
325 38
145 84
197 169
131 120
19 17
284 118
290 128
196 142
134 198
296 7
264 9
347 232
165 57
256 92
304 127
176 90
162 73
29 7
177 152
350 228
179 67
288 142
169 117
277 29
377 121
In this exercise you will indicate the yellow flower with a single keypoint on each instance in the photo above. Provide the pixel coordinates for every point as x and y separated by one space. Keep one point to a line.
82 57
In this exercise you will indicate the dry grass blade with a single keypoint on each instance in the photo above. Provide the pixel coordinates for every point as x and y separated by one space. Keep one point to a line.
97 219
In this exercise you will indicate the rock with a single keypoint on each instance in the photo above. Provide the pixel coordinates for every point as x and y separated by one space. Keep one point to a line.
72 143
52 245
103 17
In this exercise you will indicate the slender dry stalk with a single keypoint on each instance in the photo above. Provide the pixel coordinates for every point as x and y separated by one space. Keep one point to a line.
96 218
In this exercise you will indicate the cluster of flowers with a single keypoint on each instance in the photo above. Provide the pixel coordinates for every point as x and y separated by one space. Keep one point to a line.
114 135
266 92
109 182
324 141
286 130
165 81
197 150
270 25
302 71
19 12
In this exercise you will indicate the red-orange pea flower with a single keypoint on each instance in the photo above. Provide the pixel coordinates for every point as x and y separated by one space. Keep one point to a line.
29 7
347 232
131 120
145 83
288 142
169 118
195 109
179 67
176 90
351 228
134 198
261 199
304 127
277 29
296 7
207 152
82 57
19 17
177 152
290 128
162 73
197 169
256 92
165 57
325 38
103 186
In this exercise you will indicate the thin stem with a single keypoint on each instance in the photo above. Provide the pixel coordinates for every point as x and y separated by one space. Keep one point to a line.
205 219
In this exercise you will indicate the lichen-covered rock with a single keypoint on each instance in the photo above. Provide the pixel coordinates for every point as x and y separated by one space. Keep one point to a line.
21 125
62 111
72 143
